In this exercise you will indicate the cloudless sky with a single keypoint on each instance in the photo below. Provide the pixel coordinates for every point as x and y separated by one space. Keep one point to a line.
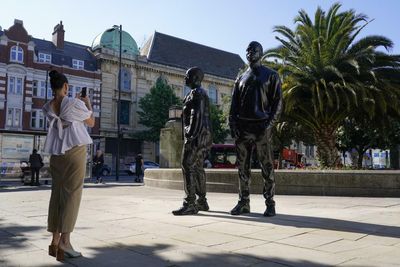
224 24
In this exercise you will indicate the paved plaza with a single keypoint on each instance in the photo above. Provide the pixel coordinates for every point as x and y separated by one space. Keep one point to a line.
123 224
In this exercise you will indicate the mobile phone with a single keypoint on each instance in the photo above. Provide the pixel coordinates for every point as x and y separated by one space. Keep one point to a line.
83 92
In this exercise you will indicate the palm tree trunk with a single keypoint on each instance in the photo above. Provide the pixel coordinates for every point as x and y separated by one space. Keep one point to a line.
327 152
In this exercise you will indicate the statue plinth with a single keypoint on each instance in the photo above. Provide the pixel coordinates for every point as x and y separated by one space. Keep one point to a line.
171 143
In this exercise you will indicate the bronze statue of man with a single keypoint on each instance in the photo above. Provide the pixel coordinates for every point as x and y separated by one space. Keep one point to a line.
256 105
197 143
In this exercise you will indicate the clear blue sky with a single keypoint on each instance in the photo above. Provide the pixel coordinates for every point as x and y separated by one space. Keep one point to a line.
225 24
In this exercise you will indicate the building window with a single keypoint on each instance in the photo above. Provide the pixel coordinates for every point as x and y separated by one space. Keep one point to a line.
212 94
45 58
49 93
16 54
186 90
15 85
39 89
126 80
74 90
35 88
125 107
78 64
14 117
37 119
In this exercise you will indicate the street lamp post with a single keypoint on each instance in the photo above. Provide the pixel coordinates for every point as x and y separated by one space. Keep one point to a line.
119 103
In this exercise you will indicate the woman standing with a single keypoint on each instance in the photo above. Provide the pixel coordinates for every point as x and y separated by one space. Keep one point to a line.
66 142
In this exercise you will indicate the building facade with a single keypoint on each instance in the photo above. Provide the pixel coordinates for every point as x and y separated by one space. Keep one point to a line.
162 57
24 87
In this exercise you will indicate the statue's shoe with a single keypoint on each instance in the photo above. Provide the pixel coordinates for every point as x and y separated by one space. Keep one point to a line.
270 211
241 208
202 205
186 210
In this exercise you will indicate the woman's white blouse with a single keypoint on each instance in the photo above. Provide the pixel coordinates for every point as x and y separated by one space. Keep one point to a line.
68 129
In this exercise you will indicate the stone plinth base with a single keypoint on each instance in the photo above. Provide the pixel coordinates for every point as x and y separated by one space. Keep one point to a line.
317 183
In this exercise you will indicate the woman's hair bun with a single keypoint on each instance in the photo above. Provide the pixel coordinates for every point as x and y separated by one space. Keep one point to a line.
53 73
57 80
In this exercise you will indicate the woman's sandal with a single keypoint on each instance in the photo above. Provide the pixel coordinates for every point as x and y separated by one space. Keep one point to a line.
53 250
69 253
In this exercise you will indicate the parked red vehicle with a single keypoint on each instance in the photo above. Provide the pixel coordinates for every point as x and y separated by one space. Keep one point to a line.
292 157
223 156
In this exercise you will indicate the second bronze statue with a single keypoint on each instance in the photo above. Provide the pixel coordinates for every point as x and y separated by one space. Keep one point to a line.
197 143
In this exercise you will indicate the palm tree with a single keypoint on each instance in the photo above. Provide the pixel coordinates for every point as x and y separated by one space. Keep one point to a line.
328 74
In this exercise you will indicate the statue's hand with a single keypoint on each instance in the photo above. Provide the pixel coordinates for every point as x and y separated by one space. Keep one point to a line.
234 132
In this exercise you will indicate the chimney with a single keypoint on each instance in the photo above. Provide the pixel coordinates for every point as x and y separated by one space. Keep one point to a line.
58 36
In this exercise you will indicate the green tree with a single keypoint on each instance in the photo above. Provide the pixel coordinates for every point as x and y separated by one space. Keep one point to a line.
328 75
360 134
218 123
154 110
391 131
287 130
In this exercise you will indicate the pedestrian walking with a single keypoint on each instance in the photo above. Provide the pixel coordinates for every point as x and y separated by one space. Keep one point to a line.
98 163
36 163
139 168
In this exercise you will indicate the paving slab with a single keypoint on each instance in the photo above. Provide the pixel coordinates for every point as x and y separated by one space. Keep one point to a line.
122 224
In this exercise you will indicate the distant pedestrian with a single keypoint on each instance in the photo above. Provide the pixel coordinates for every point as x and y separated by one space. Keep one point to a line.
98 162
36 163
139 168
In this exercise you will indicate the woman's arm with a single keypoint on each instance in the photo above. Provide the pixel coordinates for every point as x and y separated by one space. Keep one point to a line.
91 121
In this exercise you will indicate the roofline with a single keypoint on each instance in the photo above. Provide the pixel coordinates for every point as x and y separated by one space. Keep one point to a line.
183 68
70 43
200 44
151 44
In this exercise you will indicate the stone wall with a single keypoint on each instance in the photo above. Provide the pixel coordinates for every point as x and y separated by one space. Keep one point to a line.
319 183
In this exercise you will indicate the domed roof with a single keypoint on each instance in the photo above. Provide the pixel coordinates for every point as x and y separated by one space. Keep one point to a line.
110 39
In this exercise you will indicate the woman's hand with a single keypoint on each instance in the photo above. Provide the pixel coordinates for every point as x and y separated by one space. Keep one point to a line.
85 100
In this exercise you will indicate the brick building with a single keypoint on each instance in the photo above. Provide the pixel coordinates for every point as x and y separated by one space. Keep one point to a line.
24 88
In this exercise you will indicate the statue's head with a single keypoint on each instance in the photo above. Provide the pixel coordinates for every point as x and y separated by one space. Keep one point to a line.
194 77
254 52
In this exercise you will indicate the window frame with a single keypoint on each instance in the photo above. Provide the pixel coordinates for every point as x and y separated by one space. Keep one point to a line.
38 119
125 80
78 64
15 85
46 58
13 117
15 53
129 111
214 89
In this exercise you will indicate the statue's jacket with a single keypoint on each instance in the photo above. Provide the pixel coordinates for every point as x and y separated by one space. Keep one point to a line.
196 118
256 98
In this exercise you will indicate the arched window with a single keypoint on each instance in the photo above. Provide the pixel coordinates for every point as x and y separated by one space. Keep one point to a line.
16 54
126 80
213 94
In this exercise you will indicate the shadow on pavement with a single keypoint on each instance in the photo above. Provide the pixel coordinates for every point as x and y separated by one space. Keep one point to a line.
15 239
17 187
167 255
312 222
